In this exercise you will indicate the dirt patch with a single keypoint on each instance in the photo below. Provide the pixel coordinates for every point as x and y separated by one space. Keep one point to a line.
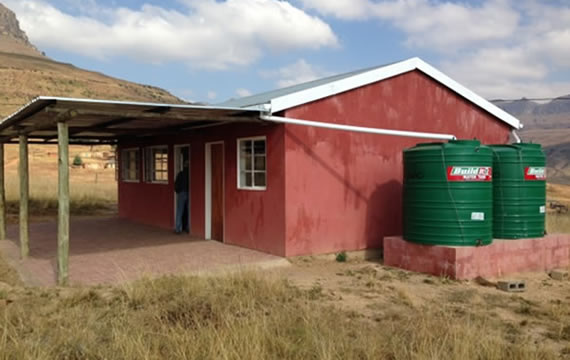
375 292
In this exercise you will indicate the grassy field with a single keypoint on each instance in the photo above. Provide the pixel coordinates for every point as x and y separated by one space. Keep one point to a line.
92 190
558 223
253 316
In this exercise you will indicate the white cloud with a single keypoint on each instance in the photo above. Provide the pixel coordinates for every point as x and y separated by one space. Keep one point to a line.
441 25
207 33
499 48
343 9
241 92
212 95
296 73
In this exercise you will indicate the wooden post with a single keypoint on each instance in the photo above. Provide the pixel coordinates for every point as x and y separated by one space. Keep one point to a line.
63 206
24 197
2 196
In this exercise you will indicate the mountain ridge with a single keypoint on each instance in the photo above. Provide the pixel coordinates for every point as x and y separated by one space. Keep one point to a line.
26 73
548 124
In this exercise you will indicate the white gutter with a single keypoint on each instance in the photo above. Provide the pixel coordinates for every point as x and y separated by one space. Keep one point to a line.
361 129
516 136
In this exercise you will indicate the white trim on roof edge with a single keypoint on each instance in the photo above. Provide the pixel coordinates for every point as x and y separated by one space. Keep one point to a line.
336 87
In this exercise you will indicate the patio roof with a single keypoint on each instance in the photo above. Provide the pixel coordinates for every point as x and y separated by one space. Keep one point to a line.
104 121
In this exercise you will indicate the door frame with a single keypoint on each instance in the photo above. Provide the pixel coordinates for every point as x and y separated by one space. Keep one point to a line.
177 147
208 189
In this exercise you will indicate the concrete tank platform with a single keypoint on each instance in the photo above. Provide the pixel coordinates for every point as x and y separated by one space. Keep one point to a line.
501 258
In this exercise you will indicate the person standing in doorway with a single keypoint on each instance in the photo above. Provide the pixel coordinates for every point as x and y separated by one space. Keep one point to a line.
181 186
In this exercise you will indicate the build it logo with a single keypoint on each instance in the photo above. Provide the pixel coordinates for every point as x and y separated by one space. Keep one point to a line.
535 173
469 173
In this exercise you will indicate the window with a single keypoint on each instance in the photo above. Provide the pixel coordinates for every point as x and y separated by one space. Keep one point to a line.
252 163
156 164
130 160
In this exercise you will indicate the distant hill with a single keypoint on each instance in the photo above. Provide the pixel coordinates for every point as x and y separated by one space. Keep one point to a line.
547 124
25 72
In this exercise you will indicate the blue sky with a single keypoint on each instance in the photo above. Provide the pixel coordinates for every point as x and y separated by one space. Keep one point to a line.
207 50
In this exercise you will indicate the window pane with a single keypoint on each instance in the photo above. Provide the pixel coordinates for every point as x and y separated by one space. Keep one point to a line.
245 155
129 164
259 179
247 163
245 147
156 164
259 147
259 163
248 179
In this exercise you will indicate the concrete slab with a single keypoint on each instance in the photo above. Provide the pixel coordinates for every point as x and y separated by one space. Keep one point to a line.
113 250
501 258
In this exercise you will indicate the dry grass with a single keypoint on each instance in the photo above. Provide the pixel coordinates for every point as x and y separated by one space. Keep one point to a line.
243 316
558 223
92 190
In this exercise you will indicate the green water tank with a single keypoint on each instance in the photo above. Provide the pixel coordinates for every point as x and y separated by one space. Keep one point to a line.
519 186
448 193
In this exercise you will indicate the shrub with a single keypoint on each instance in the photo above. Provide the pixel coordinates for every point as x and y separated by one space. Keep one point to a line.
77 160
341 256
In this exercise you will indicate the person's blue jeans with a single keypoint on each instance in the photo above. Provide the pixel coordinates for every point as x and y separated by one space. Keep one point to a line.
181 203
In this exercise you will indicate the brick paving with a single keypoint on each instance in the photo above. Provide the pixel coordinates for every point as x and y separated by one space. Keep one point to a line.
112 250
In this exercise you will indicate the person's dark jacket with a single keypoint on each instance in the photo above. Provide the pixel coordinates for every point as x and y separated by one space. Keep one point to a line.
181 183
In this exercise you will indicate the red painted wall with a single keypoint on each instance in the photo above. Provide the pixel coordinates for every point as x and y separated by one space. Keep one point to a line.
344 189
253 219
151 204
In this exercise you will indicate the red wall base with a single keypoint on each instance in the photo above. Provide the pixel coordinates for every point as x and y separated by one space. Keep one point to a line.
501 258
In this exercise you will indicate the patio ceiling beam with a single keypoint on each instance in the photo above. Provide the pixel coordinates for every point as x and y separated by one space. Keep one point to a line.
76 131
41 125
176 129
116 132
23 174
71 142
99 126
15 119
63 204
196 115
124 114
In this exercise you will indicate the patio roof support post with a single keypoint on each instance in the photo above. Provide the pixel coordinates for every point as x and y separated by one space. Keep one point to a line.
63 204
2 195
24 197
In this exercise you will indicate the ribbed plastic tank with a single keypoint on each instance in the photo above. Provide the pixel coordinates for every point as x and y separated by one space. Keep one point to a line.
519 187
448 193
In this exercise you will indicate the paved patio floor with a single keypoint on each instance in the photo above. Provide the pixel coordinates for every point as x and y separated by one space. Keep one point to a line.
112 250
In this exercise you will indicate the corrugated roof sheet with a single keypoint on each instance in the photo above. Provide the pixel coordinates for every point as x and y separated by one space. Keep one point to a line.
107 120
266 97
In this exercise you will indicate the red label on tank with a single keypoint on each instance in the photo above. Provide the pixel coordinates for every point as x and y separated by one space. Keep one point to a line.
534 173
469 173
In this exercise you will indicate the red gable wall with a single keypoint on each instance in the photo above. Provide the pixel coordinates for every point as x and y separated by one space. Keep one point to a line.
343 190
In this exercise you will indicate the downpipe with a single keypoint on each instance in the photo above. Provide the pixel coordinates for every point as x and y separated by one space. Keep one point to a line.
516 136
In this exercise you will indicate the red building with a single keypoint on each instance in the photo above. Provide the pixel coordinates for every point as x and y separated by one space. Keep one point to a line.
288 189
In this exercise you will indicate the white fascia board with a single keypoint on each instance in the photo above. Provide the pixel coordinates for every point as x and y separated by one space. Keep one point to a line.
319 92
340 86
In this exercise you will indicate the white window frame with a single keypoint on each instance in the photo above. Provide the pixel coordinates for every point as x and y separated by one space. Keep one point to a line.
123 169
238 163
148 174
